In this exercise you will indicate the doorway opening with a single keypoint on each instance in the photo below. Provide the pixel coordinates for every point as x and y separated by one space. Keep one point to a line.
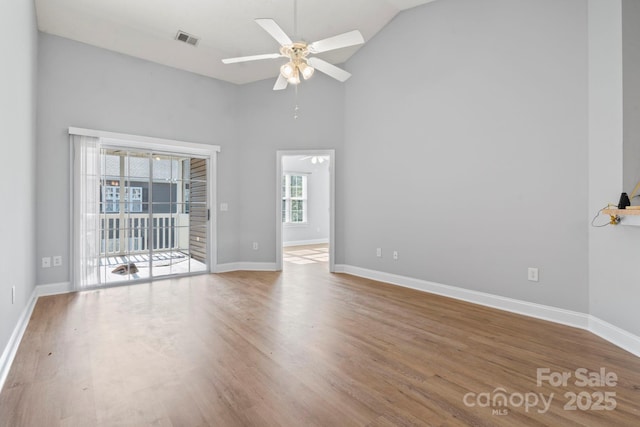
305 208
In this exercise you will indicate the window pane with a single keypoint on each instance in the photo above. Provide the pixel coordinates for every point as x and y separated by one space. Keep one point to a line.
165 168
296 186
284 186
284 210
297 211
293 198
136 166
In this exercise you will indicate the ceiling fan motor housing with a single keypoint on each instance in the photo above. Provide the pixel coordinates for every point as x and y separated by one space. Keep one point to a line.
296 51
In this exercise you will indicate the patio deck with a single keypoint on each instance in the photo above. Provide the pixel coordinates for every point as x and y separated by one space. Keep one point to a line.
162 263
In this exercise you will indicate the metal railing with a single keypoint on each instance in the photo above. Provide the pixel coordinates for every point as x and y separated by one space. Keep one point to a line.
138 232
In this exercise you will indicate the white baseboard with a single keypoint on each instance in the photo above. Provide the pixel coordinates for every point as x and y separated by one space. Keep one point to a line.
245 266
11 349
53 289
305 242
611 333
615 335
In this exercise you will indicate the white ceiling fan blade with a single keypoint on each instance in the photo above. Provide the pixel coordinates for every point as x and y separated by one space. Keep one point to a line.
251 58
329 69
270 26
281 83
351 38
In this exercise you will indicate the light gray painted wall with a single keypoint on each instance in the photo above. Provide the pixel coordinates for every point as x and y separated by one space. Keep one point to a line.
631 95
613 251
471 162
318 189
466 146
93 88
18 44
266 126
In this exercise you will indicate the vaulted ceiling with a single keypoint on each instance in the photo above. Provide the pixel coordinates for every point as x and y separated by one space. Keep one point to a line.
147 29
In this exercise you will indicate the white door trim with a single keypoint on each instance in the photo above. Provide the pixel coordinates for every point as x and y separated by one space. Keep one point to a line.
332 210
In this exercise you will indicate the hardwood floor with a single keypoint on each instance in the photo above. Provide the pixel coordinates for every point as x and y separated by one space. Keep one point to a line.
306 254
302 347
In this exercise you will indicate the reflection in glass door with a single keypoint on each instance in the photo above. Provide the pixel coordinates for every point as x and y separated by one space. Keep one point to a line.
153 215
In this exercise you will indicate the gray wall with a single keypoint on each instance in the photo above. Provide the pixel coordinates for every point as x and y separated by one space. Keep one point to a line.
631 95
267 125
471 161
88 87
318 196
84 86
18 44
613 251
466 130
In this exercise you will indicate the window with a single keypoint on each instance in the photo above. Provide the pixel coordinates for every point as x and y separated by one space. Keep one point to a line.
294 199
111 199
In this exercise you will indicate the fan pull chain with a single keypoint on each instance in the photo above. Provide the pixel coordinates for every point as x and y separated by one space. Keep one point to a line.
296 108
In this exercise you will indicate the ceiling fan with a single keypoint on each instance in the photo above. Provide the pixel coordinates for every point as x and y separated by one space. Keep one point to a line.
298 53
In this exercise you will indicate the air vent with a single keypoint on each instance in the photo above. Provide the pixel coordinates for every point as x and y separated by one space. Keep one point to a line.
187 38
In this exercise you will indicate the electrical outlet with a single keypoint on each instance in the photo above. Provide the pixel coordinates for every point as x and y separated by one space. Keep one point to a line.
379 252
57 261
13 295
395 255
224 207
255 246
46 262
532 274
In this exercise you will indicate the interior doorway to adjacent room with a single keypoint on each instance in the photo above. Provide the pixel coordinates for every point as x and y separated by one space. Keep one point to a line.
304 213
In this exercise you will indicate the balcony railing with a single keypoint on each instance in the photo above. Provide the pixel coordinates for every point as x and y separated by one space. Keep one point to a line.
133 233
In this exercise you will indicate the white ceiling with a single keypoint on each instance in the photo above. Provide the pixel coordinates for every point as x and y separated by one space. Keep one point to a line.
226 28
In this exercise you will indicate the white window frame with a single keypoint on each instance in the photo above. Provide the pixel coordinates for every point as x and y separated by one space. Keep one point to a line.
288 199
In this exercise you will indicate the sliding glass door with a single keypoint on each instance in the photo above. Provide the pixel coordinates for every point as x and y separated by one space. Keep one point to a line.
153 214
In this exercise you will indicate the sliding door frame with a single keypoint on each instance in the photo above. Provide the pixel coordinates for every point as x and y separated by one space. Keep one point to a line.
137 142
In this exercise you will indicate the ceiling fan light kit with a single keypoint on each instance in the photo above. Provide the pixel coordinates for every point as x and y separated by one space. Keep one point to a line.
299 63
297 53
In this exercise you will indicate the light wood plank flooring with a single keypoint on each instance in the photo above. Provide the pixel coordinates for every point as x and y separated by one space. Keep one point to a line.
306 254
299 348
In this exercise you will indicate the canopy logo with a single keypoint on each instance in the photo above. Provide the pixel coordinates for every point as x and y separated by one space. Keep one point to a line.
501 402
